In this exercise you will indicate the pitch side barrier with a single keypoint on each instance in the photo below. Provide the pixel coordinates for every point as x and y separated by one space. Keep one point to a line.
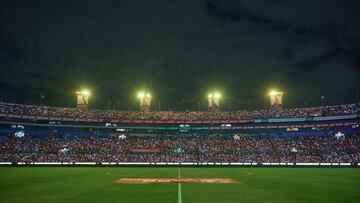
254 126
176 164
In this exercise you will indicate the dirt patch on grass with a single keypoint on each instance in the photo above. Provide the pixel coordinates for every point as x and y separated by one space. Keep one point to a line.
175 180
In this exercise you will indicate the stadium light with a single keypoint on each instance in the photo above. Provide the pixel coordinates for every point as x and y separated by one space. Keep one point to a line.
82 100
84 92
214 95
141 95
214 100
217 95
145 100
276 100
275 92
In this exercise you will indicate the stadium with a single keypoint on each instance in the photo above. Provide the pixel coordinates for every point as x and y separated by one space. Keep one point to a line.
129 153
199 101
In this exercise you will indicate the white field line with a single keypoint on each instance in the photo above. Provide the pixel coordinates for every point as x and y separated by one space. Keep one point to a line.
179 188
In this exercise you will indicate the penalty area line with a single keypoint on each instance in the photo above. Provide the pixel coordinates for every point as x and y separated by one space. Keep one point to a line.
179 188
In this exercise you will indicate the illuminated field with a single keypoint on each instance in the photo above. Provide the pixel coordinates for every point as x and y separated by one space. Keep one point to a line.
92 184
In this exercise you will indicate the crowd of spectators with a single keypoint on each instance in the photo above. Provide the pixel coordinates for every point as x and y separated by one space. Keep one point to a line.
182 148
57 112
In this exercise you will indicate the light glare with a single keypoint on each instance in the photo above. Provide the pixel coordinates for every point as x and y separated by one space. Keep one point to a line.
274 92
141 94
84 92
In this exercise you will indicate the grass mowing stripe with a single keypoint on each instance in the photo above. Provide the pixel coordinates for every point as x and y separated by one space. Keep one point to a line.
179 188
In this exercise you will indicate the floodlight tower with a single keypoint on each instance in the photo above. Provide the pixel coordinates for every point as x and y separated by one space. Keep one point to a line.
214 101
83 99
145 101
276 99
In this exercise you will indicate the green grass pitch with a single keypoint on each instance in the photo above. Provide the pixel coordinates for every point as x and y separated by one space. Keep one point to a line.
94 184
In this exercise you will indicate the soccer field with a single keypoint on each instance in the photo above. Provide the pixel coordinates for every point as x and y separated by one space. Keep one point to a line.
96 184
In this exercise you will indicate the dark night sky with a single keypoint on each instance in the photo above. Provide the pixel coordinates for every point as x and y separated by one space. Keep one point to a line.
179 50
